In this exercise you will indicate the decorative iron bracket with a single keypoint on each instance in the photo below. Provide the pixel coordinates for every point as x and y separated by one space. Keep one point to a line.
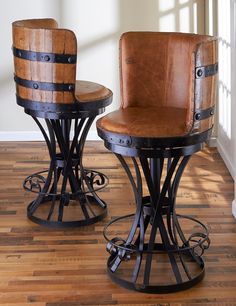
202 114
206 71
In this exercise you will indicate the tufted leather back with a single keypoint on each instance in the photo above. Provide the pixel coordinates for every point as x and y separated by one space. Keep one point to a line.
159 70
44 60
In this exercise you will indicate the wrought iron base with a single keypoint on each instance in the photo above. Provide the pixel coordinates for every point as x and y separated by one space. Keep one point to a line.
152 253
67 192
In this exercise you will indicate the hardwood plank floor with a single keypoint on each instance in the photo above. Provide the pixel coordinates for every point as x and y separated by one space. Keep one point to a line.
52 267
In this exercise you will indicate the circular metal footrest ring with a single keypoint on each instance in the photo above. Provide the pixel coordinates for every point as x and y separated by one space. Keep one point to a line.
101 212
96 180
203 242
155 289
186 255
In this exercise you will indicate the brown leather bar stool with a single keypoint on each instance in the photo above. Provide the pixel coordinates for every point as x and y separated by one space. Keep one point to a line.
45 76
168 90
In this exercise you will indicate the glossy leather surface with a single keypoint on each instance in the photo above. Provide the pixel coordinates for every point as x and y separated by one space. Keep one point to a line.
159 92
146 122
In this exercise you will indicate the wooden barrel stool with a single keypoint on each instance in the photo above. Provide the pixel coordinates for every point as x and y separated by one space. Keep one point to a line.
45 76
168 89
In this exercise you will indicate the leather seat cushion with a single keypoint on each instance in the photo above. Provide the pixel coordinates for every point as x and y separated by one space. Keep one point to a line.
146 122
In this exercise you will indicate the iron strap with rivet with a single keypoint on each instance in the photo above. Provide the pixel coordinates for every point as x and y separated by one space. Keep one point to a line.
61 109
45 57
206 71
202 114
44 85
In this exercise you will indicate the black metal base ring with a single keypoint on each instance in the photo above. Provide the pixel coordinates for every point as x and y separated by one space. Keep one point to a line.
88 208
154 289
65 224
117 246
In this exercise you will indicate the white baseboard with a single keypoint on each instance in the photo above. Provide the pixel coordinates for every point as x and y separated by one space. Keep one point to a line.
34 136
21 136
234 208
227 161
212 142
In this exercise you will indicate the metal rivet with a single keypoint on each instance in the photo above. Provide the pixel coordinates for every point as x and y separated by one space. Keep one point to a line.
127 257
211 113
47 58
36 86
71 87
69 59
19 54
198 116
199 72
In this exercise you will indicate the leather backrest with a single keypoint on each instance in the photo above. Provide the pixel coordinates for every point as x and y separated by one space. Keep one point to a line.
40 78
158 69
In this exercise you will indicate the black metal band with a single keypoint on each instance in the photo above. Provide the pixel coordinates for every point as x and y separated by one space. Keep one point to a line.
135 146
46 106
202 114
44 85
62 110
45 57
97 106
206 71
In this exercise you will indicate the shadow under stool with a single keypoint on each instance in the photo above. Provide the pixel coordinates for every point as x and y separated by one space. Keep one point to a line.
45 59
168 93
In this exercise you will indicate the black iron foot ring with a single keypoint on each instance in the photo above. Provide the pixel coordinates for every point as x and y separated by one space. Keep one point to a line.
89 203
65 224
155 289
118 249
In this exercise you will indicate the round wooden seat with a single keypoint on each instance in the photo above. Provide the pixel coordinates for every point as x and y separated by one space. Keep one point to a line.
90 95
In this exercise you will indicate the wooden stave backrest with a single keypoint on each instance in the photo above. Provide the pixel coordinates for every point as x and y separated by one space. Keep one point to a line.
42 35
184 74
205 93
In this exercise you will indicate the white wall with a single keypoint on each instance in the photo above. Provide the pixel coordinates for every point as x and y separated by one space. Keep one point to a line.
12 117
225 140
98 25
233 76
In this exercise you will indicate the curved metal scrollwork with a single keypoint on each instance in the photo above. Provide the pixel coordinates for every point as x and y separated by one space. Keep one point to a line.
34 182
115 248
96 180
201 242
